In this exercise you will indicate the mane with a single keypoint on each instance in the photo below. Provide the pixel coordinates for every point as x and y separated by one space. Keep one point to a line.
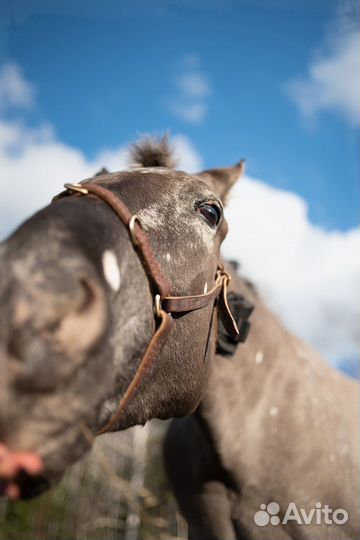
152 152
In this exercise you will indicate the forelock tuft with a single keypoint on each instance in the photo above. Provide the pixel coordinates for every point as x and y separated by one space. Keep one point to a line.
152 152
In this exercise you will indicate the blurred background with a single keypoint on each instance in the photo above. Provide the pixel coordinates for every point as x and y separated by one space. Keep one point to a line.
274 81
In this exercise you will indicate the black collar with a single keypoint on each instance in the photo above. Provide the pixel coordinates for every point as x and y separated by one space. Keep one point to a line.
241 310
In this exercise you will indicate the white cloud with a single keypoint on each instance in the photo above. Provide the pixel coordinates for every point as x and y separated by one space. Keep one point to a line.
15 91
187 158
192 90
193 113
311 277
35 165
194 84
332 82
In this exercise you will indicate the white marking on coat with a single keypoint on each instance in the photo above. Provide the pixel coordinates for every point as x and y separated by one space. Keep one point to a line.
111 269
259 357
168 257
151 218
274 411
205 288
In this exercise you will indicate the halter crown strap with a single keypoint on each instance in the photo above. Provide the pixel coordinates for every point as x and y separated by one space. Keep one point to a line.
164 304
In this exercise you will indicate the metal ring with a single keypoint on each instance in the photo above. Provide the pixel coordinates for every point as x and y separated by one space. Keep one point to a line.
157 306
132 222
78 188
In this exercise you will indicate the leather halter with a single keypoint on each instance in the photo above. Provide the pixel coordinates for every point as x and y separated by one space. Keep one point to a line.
164 303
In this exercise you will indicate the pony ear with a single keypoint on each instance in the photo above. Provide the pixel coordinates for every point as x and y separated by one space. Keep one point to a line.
221 180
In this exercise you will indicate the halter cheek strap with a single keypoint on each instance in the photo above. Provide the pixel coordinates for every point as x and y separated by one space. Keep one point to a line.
164 303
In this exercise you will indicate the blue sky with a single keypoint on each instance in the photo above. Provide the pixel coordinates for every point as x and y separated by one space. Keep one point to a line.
105 72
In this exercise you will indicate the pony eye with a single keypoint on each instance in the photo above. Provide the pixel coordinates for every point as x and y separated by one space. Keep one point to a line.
212 212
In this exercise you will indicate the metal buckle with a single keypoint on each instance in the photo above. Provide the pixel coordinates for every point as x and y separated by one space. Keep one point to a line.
132 222
222 276
157 306
78 188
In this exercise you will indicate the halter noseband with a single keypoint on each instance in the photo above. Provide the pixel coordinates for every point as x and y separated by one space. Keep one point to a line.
164 303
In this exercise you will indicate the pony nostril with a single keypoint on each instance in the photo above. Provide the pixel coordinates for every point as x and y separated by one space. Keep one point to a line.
31 486
44 348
